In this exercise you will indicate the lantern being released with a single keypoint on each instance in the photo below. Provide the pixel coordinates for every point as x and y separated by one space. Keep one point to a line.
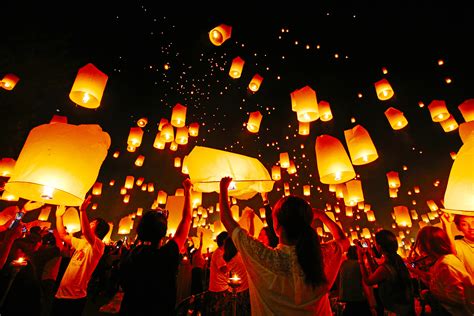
220 34
253 124
255 83
9 81
333 163
384 90
361 147
88 87
59 163
236 67
396 118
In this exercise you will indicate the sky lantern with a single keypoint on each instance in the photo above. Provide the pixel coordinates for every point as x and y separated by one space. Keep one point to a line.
255 83
139 161
162 196
129 180
58 119
179 192
181 135
112 183
361 147
9 81
178 116
196 198
276 173
6 166
349 211
194 129
135 137
253 124
236 67
139 181
467 110
393 192
88 87
159 143
432 205
303 128
305 104
162 123
131 148
396 118
142 122
177 162
370 216
292 168
365 233
393 179
414 215
354 193
151 187
97 188
220 34
324 110
173 146
44 213
284 160
307 190
125 225
184 167
126 198
59 163
384 90
71 220
140 211
167 133
438 110
465 130
116 154
402 216
449 125
333 163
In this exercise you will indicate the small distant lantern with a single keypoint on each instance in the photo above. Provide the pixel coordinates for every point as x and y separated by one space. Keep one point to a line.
467 110
144 187
384 90
370 216
112 183
305 104
139 181
167 133
88 87
396 118
177 162
253 124
159 143
453 155
9 81
196 198
236 67
432 205
151 187
162 196
324 109
142 122
139 161
220 34
126 198
307 190
255 83
71 220
416 189
193 129
276 173
129 180
449 125
284 160
184 167
139 211
179 192
135 137
97 188
393 179
94 206
6 166
303 128
438 110
178 116
393 193
58 119
44 213
116 154
349 211
402 216
173 146
292 168
131 149
414 215
333 163
181 135
125 225
123 191
262 213
162 123
361 147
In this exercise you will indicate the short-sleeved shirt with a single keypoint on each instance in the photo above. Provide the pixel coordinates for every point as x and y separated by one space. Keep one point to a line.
218 279
276 280
148 277
465 252
79 271
236 265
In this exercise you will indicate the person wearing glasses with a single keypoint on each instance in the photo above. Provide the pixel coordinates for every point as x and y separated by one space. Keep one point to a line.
148 273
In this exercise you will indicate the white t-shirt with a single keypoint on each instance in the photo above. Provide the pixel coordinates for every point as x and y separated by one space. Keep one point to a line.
79 271
276 281
465 252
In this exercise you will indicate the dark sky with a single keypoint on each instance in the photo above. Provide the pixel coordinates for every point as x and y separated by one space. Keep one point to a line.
131 43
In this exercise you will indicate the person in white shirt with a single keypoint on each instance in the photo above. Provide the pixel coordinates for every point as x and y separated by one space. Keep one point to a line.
71 296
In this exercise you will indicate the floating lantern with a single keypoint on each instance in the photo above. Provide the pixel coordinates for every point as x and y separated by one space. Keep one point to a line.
414 214
173 146
307 190
393 179
449 125
139 211
126 198
184 168
303 128
360 205
167 133
262 212
142 122
94 206
123 191
467 110
393 193
432 205
276 173
349 212
333 163
193 129
178 116
354 193
179 192
324 110
384 70
396 118
416 189
181 135
384 90
438 110
6 166
112 183
151 187
59 163
284 160
116 154
162 123
158 143
139 181
135 137
253 124
125 225
162 196
131 148
402 216
236 67
305 104
292 168
466 129
370 216
9 81
44 214
365 233
88 87
97 188
196 198
129 180
177 162
361 147
255 83
58 119
220 34
71 220
139 161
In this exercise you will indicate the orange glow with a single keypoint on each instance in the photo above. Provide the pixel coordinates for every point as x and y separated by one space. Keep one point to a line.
193 129
88 87
253 124
361 147
384 90
449 125
58 119
142 122
276 173
236 67
177 162
333 163
167 133
220 34
162 196
305 104
9 81
139 161
307 190
129 181
97 189
181 135
396 118
255 83
158 143
324 109
173 146
303 128
284 160
393 179
163 122
438 111
467 110
6 166
135 137
178 116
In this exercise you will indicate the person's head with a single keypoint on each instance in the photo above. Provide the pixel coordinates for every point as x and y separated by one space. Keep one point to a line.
386 242
292 217
48 239
35 230
220 239
466 225
100 227
352 253
152 227
433 241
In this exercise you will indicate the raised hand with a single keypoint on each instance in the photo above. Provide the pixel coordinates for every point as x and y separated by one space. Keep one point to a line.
187 184
86 203
225 182
60 210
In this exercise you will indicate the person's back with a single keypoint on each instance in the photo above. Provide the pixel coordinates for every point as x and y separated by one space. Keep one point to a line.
395 295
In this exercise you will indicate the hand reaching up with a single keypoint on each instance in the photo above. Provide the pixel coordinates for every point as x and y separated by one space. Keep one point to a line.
86 203
187 184
60 210
225 182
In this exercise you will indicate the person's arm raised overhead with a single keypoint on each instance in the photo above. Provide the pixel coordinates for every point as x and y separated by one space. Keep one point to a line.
226 215
183 228
334 229
446 220
85 226
60 210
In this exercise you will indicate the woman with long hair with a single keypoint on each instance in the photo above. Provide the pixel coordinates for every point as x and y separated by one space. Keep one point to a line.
296 276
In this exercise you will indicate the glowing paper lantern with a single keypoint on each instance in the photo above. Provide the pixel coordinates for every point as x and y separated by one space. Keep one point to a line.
158 143
167 133
366 233
255 83
44 214
370 216
126 198
184 168
6 166
393 179
236 67
393 193
59 163
438 110
177 162
432 205
196 198
139 211
361 147
384 90
416 189
305 104
253 124
179 192
333 163
9 81
324 109
162 123
276 173
396 118
303 128
414 214
142 122
173 146
193 129
467 110
307 190
162 196
129 180
465 130
97 188
220 34
125 225
207 166
151 187
181 135
449 125
112 183
292 168
402 216
131 148
178 116
139 161
71 220
88 87
58 119
139 181
135 137
354 193
116 154
284 160
123 191
349 212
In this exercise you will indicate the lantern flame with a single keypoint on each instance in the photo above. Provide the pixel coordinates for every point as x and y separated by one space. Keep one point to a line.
86 97
47 193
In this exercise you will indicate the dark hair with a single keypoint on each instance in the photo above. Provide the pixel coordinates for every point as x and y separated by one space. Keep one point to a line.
295 215
229 250
272 237
35 230
433 241
49 239
152 227
221 238
352 253
102 227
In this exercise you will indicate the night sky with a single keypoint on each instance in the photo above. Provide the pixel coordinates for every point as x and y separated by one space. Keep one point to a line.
339 51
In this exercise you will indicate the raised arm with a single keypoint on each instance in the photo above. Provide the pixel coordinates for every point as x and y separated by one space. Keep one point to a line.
446 220
85 226
334 229
226 215
185 223
62 233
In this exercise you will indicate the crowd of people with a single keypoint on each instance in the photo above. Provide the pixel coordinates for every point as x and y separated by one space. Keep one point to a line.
286 270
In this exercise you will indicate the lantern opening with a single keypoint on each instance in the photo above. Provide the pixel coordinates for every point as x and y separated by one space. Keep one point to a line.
47 193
